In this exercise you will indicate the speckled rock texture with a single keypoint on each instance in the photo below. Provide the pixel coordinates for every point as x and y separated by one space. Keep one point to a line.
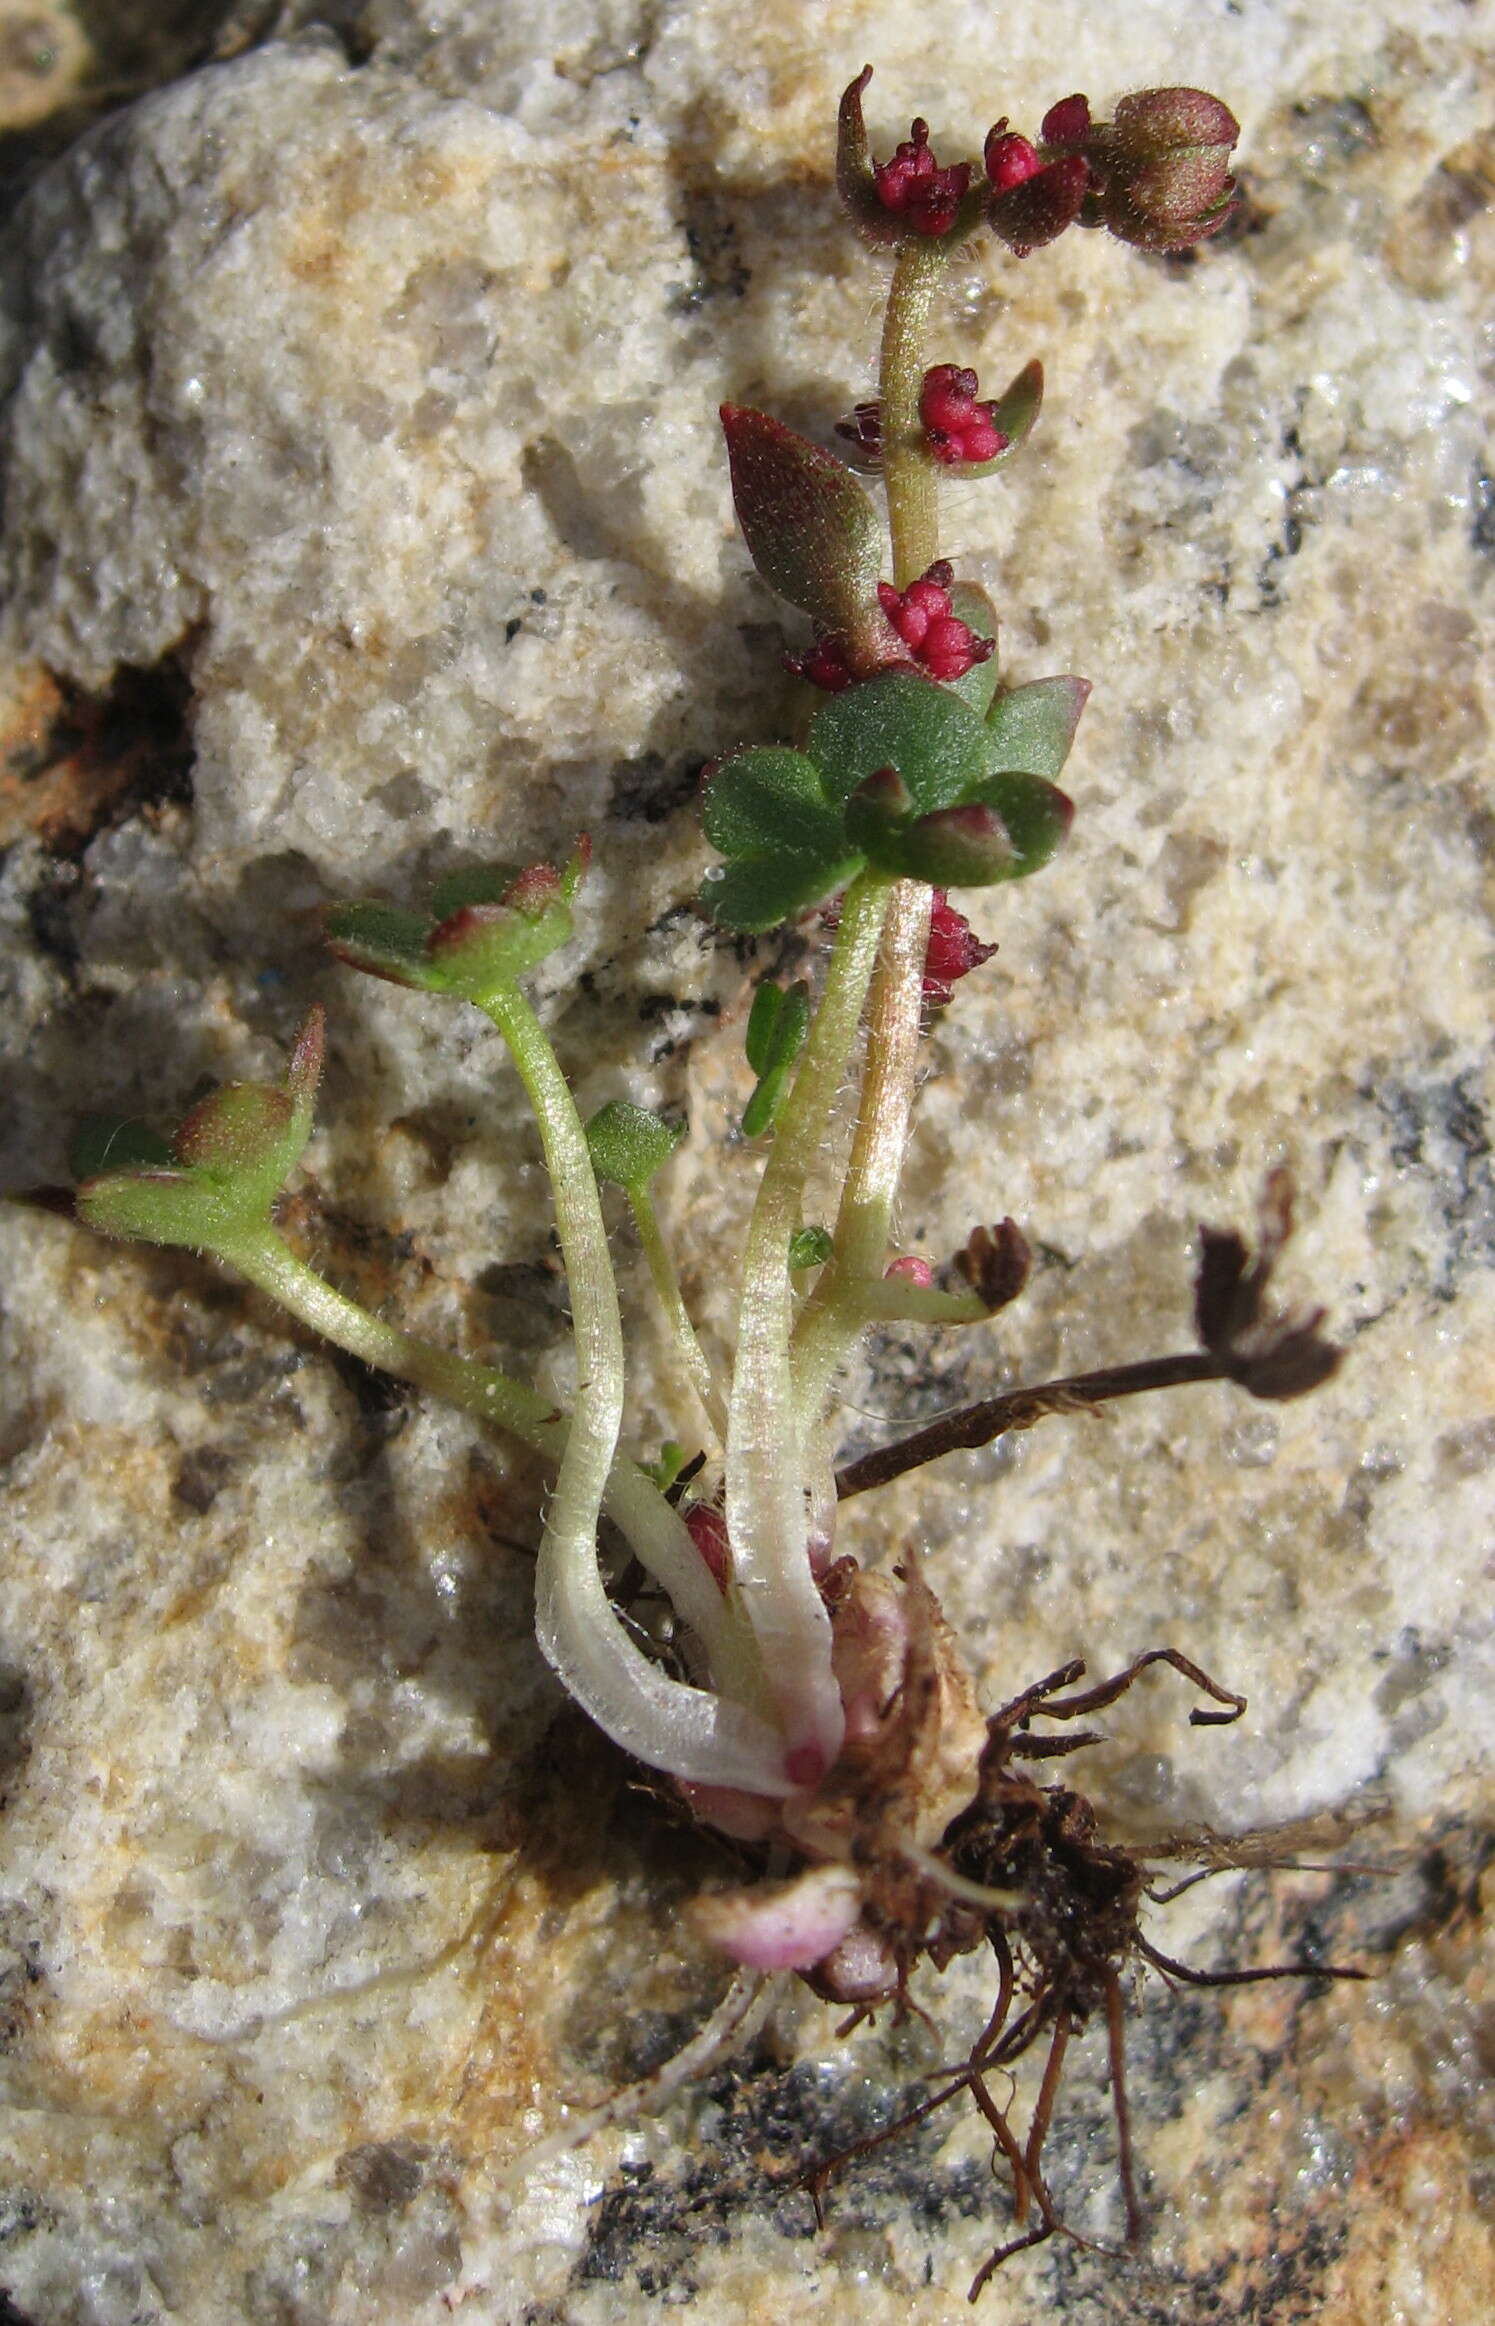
365 515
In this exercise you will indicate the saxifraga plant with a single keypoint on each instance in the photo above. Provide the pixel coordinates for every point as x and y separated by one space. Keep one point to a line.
816 1713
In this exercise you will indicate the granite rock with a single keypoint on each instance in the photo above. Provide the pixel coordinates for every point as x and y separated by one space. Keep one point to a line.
365 516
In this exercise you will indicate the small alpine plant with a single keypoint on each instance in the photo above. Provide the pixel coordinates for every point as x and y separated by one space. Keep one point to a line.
816 1712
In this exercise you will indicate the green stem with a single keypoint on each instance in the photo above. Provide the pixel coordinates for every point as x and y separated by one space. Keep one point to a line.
571 1528
653 1530
682 1331
269 1263
909 474
838 1309
766 1513
578 1629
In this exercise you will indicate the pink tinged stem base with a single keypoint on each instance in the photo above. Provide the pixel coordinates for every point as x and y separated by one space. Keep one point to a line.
782 1926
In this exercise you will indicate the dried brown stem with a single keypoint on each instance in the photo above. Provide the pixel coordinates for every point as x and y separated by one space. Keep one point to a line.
1019 1409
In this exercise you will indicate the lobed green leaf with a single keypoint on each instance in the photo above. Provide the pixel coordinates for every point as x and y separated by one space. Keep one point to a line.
924 731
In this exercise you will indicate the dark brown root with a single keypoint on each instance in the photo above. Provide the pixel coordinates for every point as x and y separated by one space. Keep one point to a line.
1062 1950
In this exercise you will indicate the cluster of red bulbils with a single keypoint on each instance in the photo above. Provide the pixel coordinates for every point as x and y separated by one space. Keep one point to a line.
958 430
924 619
1157 175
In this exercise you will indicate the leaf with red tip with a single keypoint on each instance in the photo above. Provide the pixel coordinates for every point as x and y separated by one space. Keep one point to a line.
854 180
304 1068
810 529
481 946
381 940
1032 728
962 847
233 1129
232 1153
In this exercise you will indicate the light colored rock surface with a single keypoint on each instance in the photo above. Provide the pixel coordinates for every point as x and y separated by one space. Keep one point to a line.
378 403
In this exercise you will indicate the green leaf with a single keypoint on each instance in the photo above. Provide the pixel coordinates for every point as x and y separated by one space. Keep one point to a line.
233 1153
233 1129
160 1207
628 1144
1032 727
475 884
1017 408
486 945
810 529
972 606
382 941
933 739
1036 813
114 1143
766 799
668 1465
777 1025
758 892
809 1248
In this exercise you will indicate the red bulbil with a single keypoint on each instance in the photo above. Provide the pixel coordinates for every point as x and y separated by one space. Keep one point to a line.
1067 123
924 619
957 428
825 665
914 185
954 951
1010 159
1165 167
1037 209
707 1529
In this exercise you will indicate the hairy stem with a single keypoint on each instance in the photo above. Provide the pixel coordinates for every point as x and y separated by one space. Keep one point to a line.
568 1580
766 1515
909 474
653 1530
683 1334
269 1263
838 1309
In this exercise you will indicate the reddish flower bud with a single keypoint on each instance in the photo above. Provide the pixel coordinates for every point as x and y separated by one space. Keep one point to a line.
924 619
825 665
707 1529
1040 206
1163 165
912 1269
1009 159
954 951
914 186
1067 123
957 427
